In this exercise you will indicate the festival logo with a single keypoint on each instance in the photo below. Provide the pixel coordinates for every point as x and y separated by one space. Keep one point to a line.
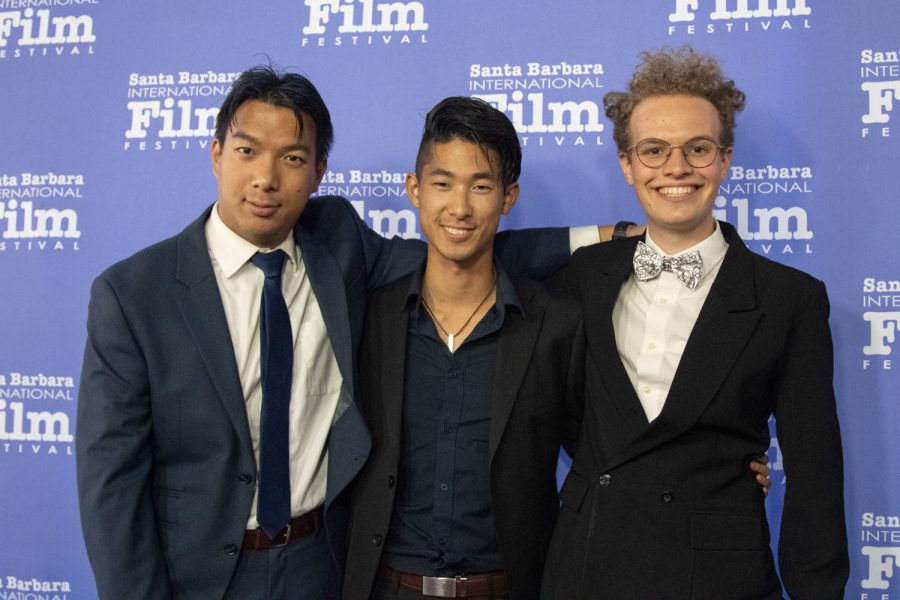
34 414
880 536
881 299
174 111
766 206
378 196
46 28
551 105
723 17
362 23
13 587
38 212
880 74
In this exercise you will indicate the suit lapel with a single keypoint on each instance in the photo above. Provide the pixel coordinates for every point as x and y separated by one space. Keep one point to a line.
514 349
723 328
392 346
327 283
204 315
599 300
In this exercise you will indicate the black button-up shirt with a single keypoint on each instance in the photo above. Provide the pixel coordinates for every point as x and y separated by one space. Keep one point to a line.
442 522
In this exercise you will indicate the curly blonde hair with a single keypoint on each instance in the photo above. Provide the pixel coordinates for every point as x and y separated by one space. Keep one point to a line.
675 71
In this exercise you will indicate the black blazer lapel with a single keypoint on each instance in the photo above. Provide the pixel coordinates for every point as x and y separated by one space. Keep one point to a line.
204 315
514 350
602 351
391 345
727 320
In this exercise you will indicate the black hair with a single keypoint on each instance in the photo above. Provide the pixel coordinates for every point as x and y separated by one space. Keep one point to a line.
287 90
473 120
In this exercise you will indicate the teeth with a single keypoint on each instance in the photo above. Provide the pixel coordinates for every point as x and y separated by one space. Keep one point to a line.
677 192
455 231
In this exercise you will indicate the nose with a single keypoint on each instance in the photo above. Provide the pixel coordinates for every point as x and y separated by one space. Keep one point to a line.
677 164
265 176
459 205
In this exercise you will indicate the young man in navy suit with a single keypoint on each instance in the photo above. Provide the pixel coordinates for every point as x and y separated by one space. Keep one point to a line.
692 342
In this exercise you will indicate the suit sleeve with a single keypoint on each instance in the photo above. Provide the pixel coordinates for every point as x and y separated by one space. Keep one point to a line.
114 457
813 543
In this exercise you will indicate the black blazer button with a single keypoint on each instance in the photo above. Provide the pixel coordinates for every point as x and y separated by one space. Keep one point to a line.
667 497
391 481
376 540
245 478
605 479
231 549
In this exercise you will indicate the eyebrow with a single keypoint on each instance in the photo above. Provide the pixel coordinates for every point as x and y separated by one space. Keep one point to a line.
246 136
438 171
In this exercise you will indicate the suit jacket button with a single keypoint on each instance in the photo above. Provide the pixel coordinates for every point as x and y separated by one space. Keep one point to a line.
245 478
231 549
391 481
376 540
605 479
667 497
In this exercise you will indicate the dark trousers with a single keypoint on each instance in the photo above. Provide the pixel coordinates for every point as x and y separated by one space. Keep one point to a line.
302 570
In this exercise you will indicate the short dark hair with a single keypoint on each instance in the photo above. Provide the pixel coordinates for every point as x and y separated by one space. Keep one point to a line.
287 90
675 71
473 120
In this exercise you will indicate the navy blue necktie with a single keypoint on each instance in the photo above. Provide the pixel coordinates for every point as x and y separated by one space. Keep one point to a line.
273 510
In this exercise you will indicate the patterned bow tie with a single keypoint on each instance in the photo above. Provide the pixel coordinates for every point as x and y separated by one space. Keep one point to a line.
686 267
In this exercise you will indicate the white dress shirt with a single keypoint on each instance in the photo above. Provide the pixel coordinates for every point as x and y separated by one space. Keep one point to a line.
653 320
316 379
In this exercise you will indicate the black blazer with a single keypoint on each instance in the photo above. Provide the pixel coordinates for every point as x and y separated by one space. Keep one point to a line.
529 418
669 510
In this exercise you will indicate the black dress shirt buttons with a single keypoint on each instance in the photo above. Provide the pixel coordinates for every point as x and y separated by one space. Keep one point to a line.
376 540
667 497
605 479
245 478
231 549
391 481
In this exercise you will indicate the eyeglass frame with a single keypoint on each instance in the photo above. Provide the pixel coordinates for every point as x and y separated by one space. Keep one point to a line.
672 148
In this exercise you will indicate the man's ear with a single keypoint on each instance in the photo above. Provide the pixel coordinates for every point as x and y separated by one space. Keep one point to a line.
412 188
726 162
510 197
625 163
321 167
216 156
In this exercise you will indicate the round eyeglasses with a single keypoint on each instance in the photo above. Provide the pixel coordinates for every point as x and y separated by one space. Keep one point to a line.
699 152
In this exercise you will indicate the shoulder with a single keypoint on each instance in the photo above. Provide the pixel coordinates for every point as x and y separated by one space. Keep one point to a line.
152 267
559 308
785 283
322 212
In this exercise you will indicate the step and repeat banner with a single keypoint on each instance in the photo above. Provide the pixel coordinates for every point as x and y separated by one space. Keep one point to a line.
105 133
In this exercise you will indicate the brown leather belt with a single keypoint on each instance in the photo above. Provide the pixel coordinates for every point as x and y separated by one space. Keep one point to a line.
484 585
302 526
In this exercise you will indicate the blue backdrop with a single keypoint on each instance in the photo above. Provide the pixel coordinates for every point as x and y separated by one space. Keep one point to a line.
106 126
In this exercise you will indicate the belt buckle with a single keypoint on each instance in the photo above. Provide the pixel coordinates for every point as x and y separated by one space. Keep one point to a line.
287 537
442 587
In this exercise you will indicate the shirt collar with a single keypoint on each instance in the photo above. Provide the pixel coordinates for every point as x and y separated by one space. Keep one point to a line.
232 252
712 250
506 291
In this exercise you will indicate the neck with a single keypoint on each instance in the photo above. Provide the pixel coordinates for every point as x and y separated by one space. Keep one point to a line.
673 241
449 282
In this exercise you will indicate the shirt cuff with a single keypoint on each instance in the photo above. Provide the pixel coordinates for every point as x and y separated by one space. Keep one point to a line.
583 236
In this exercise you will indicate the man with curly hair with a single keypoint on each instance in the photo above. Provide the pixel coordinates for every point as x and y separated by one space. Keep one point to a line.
692 343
